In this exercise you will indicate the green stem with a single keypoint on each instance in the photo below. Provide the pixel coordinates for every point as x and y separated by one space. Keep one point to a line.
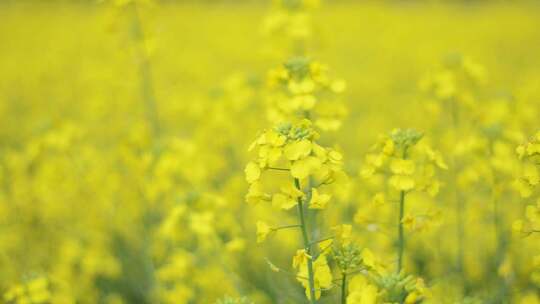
497 221
501 239
460 231
279 169
459 203
145 72
307 244
286 227
401 236
344 288
460 235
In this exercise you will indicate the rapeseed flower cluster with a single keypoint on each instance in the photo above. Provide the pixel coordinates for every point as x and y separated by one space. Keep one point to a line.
130 127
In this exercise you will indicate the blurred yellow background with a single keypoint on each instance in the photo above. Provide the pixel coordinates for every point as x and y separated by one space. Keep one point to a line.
125 126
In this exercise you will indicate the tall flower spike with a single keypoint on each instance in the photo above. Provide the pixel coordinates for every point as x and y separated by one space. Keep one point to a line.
411 165
291 150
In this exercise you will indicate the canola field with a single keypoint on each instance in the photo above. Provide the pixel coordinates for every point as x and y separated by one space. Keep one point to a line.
259 152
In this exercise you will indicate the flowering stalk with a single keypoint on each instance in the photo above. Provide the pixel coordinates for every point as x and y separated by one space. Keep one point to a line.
344 288
145 71
307 243
460 231
348 257
414 172
452 85
293 146
401 236
459 203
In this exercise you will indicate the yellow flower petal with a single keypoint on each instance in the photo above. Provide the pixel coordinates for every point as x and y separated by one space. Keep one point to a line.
282 201
263 230
303 168
402 182
402 166
253 172
298 149
318 201
300 258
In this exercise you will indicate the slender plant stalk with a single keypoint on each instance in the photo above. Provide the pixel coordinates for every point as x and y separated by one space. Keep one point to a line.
460 230
344 288
145 73
401 235
500 238
459 206
286 227
307 245
497 223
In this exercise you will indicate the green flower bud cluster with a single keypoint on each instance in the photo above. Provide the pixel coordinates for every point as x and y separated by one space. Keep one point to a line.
395 287
347 257
405 138
298 67
302 130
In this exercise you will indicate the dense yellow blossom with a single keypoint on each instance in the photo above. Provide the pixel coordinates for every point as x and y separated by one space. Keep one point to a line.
229 152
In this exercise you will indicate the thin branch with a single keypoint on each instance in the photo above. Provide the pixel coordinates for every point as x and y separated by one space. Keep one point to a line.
322 240
278 169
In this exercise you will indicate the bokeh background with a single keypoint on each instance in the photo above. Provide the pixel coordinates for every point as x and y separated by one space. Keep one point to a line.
124 130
